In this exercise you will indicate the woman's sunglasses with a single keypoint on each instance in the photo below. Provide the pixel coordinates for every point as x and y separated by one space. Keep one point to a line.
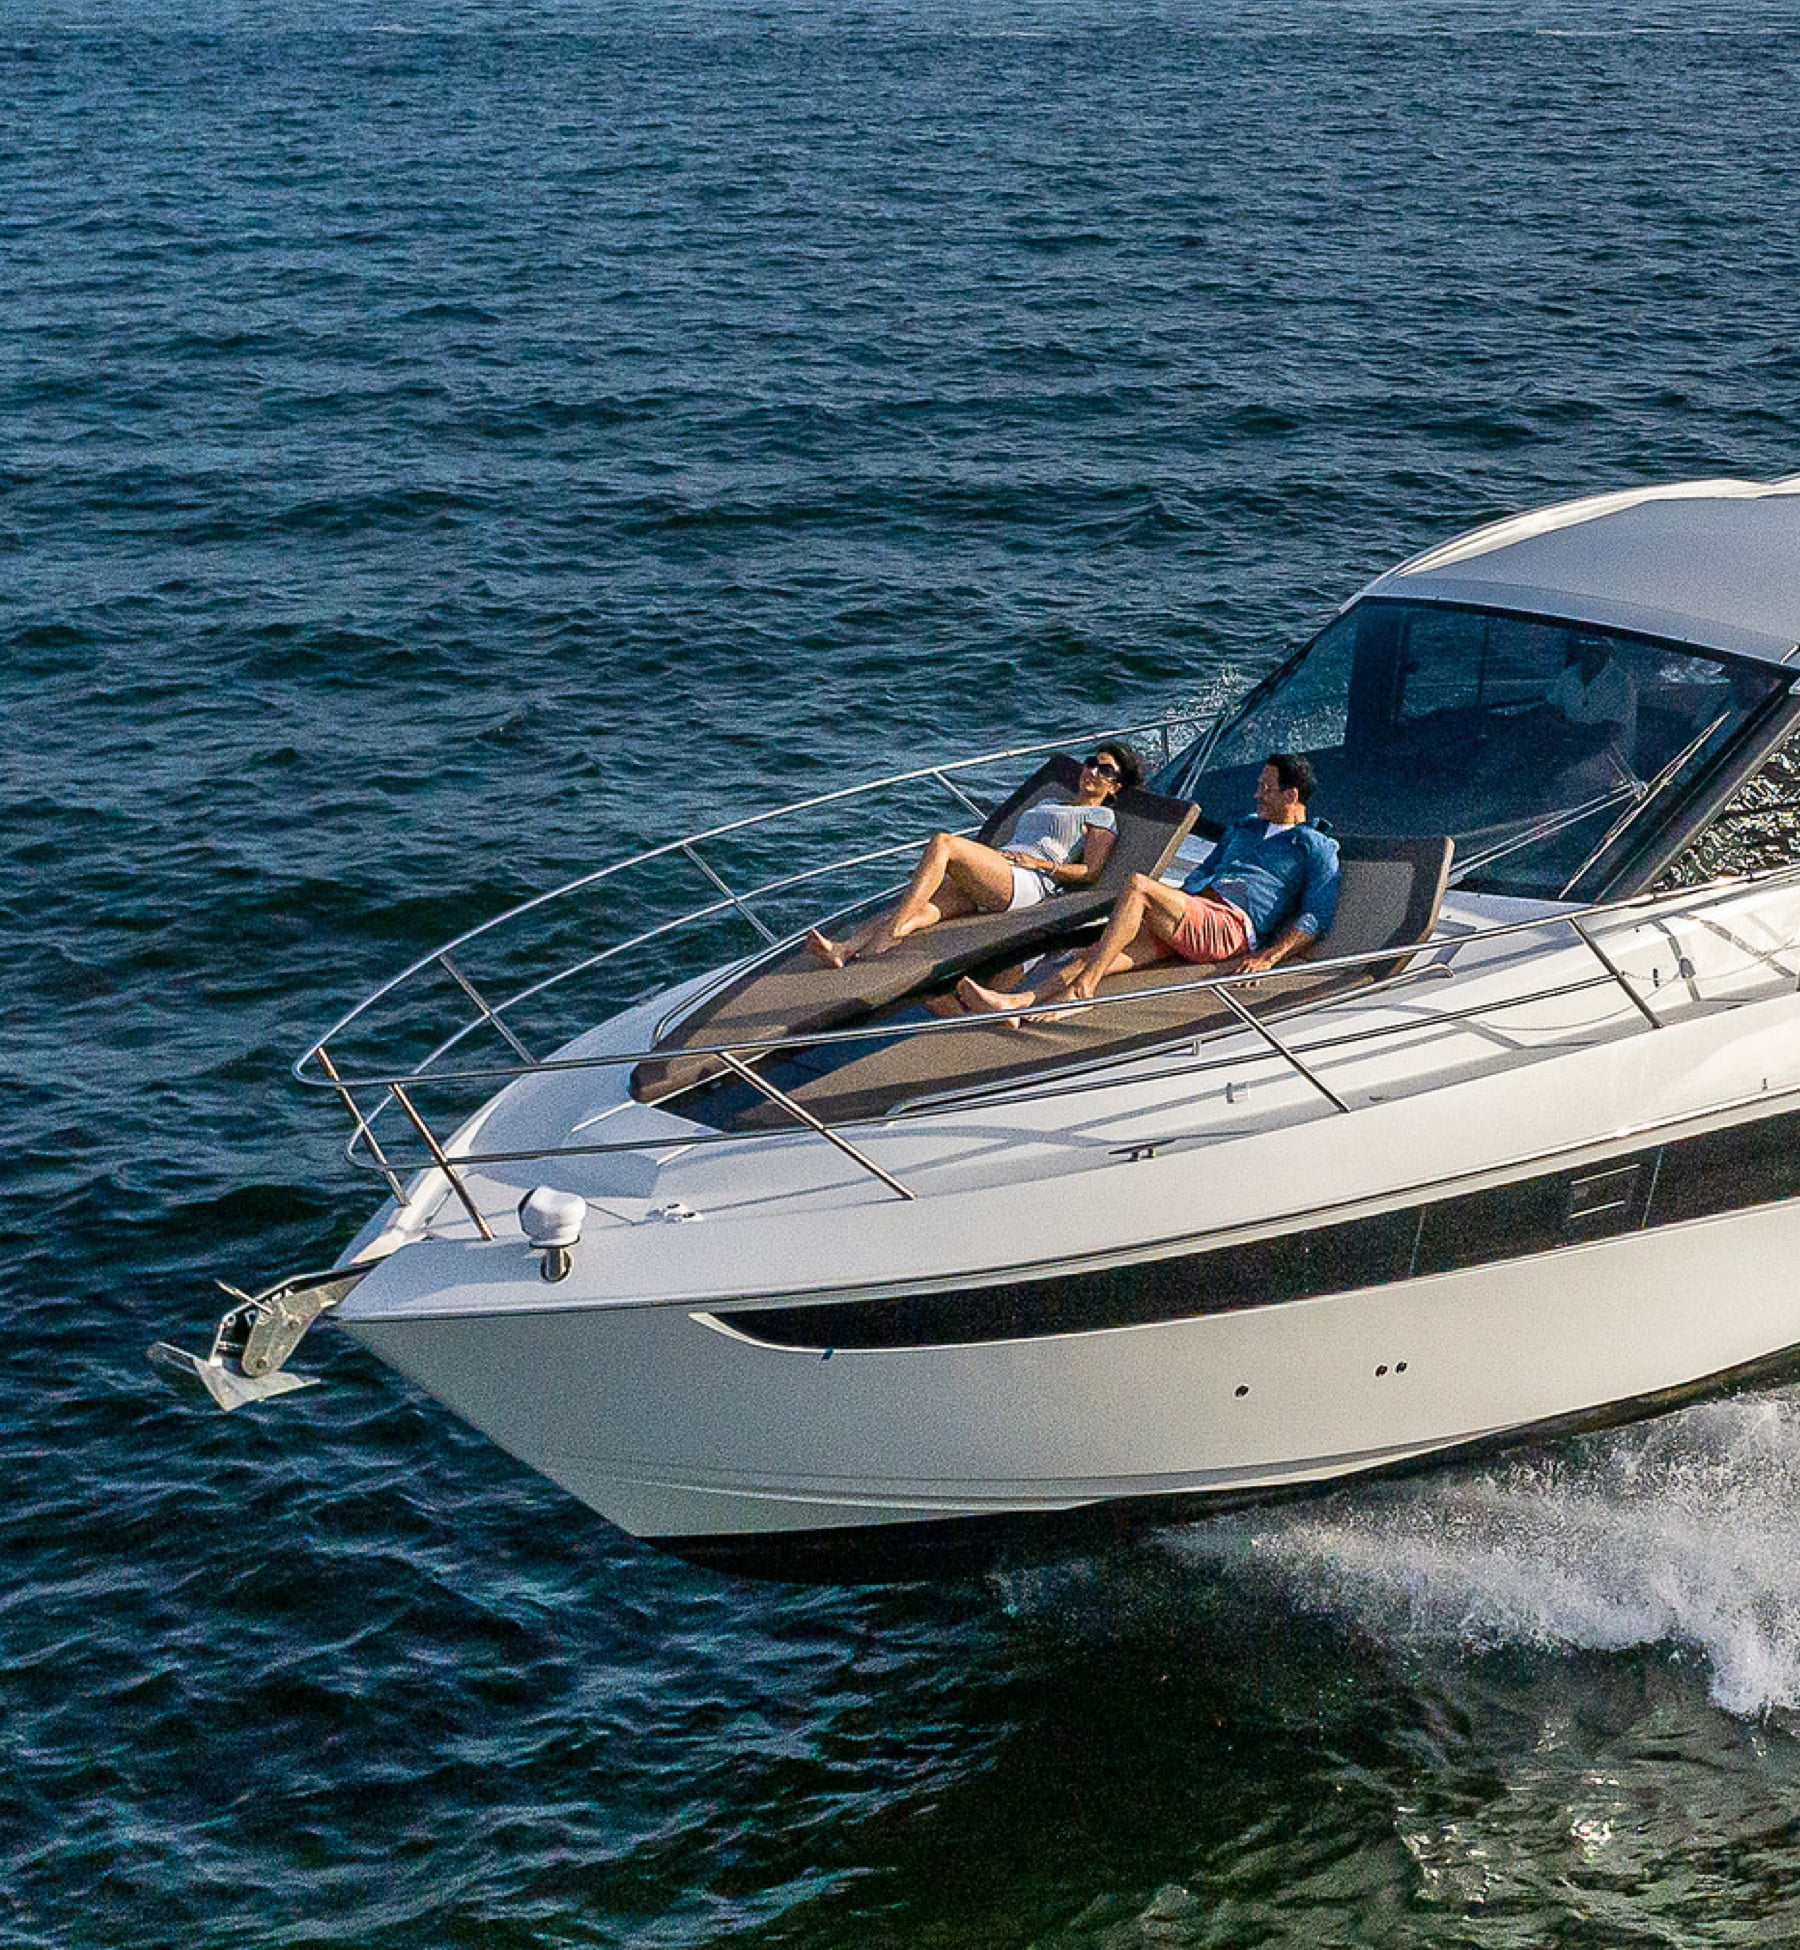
1104 766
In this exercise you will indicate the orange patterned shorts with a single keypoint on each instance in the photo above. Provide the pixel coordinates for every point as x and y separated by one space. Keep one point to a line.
1210 930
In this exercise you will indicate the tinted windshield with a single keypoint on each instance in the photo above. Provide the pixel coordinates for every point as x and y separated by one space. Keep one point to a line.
1533 743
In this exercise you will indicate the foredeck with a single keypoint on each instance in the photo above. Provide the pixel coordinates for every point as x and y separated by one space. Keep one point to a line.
847 1094
1390 896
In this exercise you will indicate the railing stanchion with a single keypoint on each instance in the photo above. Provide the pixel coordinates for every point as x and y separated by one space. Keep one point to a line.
443 1163
363 1127
1279 1047
469 989
806 1117
748 913
1617 973
956 792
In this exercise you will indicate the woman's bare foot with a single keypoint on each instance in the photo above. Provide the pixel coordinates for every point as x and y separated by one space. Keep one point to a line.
831 953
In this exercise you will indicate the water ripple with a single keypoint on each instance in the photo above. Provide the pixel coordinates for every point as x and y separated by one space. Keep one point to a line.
441 450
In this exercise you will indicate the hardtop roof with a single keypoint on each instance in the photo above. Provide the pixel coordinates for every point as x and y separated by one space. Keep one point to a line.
1712 563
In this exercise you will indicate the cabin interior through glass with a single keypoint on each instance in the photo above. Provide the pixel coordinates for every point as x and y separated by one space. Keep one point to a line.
1547 749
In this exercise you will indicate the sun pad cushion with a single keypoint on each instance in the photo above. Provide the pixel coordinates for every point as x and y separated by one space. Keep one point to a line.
791 993
1388 897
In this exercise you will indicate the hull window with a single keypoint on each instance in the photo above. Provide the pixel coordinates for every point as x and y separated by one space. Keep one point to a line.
1749 1164
1699 1177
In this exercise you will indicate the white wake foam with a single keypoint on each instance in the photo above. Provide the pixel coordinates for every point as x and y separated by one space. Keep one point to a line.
1683 1531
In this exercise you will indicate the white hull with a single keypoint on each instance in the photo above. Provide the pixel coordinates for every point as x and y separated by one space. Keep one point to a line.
628 1385
678 1432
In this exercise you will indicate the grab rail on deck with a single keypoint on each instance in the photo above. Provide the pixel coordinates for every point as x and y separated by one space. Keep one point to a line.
1689 903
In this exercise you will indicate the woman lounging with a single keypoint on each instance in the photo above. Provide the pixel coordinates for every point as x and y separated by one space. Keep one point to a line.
1051 847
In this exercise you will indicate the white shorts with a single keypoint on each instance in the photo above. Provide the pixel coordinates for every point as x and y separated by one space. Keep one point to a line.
1029 887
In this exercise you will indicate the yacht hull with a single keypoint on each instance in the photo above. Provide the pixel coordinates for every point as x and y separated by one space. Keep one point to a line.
858 1461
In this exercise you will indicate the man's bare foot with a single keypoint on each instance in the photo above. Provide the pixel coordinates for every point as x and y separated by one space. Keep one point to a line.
981 1001
831 953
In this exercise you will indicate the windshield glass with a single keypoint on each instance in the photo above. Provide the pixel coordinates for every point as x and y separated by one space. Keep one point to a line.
1532 743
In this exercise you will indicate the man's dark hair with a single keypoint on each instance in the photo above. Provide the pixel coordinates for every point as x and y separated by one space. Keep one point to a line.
1294 770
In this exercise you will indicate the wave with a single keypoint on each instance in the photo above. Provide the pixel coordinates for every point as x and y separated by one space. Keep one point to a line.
1683 1533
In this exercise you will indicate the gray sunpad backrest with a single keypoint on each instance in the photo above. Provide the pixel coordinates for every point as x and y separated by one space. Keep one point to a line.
1389 895
1144 821
1056 778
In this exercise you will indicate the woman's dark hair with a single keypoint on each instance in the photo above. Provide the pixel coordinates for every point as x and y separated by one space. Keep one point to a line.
1295 772
1131 767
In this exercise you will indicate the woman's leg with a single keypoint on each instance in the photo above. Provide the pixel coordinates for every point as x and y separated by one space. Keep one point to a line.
954 876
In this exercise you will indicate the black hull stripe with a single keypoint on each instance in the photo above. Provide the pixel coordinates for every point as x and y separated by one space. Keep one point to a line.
953 1547
1730 1170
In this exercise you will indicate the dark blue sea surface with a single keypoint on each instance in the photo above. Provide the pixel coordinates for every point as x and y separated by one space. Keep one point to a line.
443 446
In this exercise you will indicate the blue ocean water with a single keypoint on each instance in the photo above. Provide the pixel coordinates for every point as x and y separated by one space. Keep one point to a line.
443 445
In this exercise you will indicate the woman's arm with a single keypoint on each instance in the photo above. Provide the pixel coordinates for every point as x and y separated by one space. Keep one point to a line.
1096 849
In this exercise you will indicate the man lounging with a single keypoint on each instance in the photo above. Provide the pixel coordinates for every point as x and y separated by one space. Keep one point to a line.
1269 889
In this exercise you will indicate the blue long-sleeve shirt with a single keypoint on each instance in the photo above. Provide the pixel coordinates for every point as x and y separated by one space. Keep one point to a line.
1276 878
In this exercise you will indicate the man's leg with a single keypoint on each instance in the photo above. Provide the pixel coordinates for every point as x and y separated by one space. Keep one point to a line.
1137 933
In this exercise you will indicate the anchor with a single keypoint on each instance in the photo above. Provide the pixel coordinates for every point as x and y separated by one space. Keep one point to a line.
255 1338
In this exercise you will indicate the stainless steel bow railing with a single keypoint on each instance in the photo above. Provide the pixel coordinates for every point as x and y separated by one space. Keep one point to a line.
738 1057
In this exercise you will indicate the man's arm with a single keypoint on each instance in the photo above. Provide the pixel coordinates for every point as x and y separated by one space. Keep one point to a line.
1289 941
1318 910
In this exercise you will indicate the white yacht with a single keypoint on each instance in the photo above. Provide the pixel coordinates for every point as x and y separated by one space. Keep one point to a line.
783 1270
